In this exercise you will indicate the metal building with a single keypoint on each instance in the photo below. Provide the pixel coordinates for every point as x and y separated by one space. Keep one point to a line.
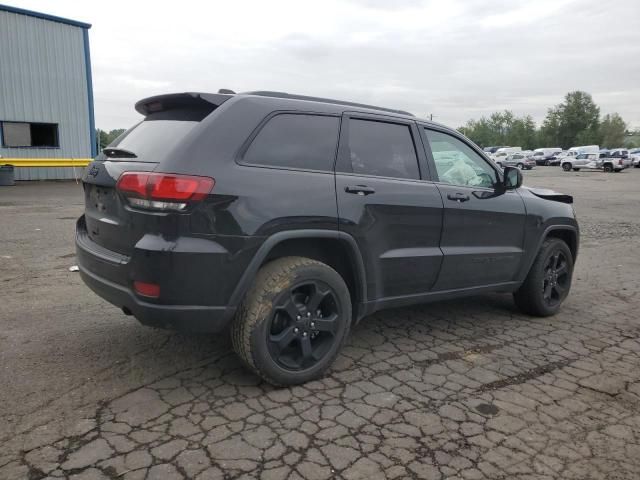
47 127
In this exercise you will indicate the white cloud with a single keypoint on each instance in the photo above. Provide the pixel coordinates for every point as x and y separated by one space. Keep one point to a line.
455 59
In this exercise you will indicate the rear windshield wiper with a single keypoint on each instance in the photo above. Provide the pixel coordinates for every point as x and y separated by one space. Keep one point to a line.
114 152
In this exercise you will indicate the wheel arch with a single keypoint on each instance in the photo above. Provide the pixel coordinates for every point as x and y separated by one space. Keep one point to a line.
334 248
567 234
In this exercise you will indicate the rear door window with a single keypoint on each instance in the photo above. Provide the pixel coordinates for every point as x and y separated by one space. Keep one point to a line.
382 149
297 141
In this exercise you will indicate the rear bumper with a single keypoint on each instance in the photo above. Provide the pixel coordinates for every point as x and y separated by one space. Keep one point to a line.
192 318
186 271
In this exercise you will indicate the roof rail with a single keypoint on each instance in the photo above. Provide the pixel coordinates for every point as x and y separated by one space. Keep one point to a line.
266 93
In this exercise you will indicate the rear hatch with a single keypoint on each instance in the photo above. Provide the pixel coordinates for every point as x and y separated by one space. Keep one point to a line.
169 120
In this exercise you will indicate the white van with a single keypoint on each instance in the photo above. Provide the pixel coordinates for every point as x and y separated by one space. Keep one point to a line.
547 152
574 151
504 152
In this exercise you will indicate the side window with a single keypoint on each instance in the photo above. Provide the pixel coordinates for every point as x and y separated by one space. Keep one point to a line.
382 149
295 141
457 163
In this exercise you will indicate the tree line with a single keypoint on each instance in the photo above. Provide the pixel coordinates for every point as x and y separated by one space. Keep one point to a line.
575 121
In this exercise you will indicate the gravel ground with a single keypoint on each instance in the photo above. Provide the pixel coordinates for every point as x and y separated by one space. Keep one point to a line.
466 389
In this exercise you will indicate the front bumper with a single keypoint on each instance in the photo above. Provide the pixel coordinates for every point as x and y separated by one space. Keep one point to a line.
178 270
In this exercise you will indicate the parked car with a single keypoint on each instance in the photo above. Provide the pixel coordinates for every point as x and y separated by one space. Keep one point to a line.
544 156
490 150
620 153
290 218
554 161
575 151
592 161
503 152
634 155
519 160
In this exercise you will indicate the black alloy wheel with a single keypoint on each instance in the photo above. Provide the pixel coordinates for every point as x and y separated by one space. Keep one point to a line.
304 325
555 283
548 282
293 320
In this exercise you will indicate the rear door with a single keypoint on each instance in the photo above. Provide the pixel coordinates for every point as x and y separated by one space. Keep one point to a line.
383 202
482 233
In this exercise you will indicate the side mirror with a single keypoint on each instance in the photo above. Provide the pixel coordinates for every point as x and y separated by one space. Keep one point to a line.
512 178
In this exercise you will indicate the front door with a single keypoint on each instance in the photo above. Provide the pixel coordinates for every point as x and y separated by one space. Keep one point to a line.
482 232
394 215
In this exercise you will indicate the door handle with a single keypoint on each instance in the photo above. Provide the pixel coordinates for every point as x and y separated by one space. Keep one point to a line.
359 190
458 197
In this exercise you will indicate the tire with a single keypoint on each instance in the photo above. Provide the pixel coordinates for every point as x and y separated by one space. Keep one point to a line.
566 167
520 166
547 163
274 313
608 168
542 294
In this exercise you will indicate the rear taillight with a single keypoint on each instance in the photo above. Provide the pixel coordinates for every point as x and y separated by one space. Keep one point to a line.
163 191
620 162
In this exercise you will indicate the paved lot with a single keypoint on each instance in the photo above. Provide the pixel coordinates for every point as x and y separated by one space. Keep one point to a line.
467 389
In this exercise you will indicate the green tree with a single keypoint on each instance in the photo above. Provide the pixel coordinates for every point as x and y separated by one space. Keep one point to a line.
522 133
502 128
105 138
549 135
576 121
612 131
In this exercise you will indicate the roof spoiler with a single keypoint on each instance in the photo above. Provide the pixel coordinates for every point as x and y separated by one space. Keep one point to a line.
171 101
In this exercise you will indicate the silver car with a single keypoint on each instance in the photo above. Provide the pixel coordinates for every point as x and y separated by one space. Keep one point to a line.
520 160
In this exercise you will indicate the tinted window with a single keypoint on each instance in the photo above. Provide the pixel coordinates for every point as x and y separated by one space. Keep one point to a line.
457 163
382 149
158 133
296 141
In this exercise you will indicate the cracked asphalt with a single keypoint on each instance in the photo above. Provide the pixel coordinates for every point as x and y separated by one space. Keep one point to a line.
466 389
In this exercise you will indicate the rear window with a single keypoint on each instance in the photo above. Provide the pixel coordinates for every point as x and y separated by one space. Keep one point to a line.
297 141
158 133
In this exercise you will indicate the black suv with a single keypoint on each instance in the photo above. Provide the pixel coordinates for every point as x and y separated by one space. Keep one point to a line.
290 218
